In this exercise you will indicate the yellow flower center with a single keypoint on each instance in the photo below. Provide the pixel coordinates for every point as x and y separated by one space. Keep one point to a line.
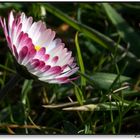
37 48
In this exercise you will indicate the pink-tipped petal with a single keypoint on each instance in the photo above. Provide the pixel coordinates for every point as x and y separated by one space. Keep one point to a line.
46 57
54 70
42 64
55 59
35 63
29 57
41 52
22 54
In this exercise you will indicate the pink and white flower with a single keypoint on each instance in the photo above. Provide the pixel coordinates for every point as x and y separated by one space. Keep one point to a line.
35 47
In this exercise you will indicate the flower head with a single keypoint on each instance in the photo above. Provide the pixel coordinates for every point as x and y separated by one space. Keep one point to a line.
36 49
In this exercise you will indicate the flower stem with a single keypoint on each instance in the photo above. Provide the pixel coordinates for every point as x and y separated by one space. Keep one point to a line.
9 86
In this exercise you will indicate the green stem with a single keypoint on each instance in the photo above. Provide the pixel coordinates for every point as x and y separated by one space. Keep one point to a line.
9 86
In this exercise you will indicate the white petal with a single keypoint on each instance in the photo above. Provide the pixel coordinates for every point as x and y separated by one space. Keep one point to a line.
10 22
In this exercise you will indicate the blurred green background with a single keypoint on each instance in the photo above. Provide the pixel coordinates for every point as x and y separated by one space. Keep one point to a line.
105 40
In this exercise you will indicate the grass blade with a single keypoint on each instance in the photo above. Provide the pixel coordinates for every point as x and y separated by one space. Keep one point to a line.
79 95
124 30
96 36
80 60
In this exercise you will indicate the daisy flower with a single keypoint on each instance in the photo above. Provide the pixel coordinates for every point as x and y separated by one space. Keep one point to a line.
36 50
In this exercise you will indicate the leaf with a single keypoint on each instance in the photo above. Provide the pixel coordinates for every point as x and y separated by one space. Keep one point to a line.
89 107
104 80
123 28
92 107
97 107
60 105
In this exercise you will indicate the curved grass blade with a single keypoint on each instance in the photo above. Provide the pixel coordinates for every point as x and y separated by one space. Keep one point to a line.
96 36
125 31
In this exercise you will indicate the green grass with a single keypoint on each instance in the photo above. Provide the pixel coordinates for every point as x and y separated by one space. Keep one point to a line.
105 99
